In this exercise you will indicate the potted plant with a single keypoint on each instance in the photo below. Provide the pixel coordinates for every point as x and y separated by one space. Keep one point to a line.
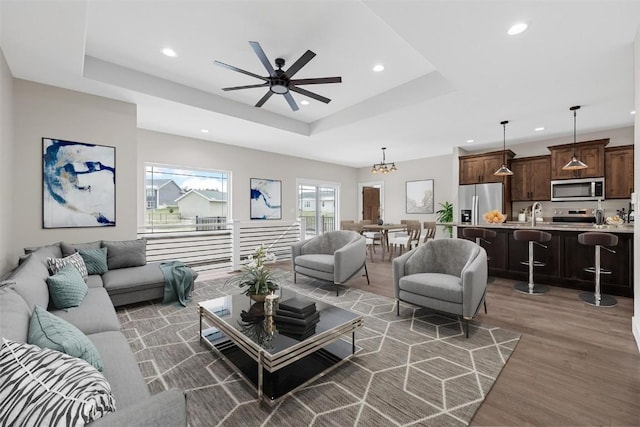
258 280
445 215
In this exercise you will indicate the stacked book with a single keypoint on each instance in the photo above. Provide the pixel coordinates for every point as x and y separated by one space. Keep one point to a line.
297 318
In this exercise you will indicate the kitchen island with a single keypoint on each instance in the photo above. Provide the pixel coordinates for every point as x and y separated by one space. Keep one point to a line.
564 257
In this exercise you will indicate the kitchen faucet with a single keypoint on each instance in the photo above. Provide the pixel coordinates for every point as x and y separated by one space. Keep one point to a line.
533 212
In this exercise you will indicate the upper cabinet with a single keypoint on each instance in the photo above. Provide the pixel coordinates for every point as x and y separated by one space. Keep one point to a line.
619 172
589 152
531 179
479 168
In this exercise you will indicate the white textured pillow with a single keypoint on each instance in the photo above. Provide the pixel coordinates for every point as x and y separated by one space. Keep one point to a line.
56 264
49 388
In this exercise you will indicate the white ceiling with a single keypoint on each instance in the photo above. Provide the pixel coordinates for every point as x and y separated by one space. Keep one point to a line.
451 71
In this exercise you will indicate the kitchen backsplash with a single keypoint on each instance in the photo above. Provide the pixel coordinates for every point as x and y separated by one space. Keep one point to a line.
610 207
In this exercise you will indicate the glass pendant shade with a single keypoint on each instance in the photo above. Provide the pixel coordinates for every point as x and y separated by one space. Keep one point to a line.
504 170
574 164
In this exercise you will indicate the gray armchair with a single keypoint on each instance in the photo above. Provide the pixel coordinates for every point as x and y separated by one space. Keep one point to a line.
448 275
335 256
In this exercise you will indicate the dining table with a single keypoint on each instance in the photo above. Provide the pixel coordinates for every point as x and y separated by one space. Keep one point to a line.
384 229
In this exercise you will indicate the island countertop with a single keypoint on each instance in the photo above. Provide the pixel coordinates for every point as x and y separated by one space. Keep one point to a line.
553 226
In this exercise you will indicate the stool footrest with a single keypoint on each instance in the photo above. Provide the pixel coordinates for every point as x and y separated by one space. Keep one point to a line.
535 263
593 270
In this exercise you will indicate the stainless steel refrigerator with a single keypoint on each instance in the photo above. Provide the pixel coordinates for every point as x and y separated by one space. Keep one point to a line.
476 199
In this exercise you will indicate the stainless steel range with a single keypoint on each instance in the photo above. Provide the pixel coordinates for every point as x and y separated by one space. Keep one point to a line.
574 215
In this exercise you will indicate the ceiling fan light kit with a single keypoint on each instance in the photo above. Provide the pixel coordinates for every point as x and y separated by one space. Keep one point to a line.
574 164
384 167
280 81
504 170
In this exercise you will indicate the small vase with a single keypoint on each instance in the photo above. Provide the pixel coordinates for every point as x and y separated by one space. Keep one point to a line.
258 298
380 221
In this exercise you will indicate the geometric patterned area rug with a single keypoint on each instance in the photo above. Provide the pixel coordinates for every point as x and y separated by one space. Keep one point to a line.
414 369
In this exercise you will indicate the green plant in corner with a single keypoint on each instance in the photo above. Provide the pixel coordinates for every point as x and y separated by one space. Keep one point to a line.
446 215
255 276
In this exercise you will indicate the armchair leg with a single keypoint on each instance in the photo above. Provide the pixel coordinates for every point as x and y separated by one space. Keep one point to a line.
337 290
294 276
397 307
485 306
366 273
466 326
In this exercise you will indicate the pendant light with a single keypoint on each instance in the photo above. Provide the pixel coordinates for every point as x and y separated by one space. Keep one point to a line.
504 170
574 164
384 167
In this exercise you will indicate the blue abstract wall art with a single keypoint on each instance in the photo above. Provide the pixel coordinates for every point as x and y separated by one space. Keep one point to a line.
78 184
266 200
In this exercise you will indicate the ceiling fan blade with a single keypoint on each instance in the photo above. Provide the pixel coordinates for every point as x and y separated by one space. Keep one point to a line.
291 101
301 62
320 80
264 99
310 94
263 58
239 70
246 87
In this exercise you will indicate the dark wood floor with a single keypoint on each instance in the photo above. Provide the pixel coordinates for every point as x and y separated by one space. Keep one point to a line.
575 365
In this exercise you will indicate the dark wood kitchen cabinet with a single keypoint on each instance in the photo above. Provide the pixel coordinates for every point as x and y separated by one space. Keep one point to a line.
618 172
589 152
479 168
531 179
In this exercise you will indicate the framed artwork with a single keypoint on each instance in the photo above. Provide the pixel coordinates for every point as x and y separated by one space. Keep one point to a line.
78 184
266 198
420 197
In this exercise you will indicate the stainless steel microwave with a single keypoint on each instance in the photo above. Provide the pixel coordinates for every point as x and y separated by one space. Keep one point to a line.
567 190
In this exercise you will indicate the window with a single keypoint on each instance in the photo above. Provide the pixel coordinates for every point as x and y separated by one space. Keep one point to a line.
318 212
180 199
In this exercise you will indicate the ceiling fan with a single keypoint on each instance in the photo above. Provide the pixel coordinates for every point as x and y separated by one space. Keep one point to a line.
280 81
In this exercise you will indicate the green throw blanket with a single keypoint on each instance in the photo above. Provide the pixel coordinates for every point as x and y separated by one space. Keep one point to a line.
178 282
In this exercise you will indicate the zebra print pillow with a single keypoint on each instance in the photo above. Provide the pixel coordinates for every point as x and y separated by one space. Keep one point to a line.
56 264
46 387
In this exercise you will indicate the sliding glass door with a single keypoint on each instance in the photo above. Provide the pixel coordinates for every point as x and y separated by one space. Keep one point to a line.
317 207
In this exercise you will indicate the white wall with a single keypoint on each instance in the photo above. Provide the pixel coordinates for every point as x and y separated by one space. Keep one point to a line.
244 163
635 321
51 112
437 168
6 165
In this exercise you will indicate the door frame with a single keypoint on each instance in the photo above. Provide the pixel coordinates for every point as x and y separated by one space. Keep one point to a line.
378 184
320 183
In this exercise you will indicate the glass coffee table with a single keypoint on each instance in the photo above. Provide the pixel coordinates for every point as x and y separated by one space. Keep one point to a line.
276 363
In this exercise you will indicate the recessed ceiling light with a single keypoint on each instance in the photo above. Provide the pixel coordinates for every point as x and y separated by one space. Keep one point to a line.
204 130
539 129
169 52
469 141
304 102
633 112
517 28
377 68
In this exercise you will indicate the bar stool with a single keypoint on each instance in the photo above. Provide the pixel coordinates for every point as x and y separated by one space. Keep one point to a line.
533 237
480 235
599 240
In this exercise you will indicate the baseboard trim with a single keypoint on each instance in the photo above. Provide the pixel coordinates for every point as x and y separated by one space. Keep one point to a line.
635 328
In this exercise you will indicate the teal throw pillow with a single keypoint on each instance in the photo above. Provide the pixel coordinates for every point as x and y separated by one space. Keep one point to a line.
47 330
66 288
95 260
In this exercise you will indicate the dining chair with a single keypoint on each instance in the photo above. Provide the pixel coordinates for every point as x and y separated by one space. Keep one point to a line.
429 230
408 239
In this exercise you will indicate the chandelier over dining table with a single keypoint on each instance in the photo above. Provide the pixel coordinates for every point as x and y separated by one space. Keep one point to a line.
384 167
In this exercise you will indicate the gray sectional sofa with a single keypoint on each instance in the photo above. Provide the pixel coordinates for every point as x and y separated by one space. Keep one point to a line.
96 317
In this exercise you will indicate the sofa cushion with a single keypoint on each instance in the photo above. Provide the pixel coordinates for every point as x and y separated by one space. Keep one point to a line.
94 281
47 387
120 368
95 260
49 331
55 264
66 288
45 252
69 248
14 315
320 262
95 314
126 253
133 278
29 278
433 285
